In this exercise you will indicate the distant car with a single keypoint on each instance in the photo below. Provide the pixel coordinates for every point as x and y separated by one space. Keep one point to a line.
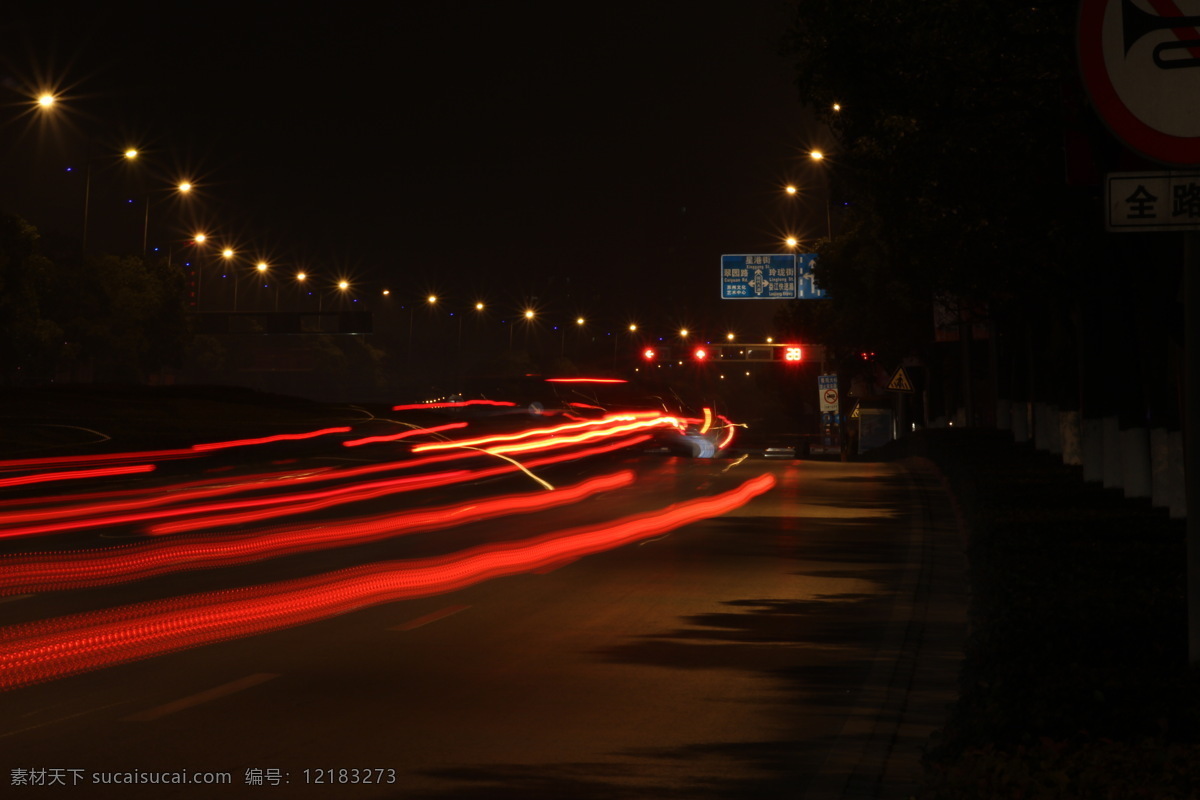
701 432
698 430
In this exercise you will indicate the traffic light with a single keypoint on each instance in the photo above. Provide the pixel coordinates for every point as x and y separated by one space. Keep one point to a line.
648 354
700 353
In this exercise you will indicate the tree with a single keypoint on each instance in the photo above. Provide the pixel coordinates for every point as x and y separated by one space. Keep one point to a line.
949 161
28 340
125 316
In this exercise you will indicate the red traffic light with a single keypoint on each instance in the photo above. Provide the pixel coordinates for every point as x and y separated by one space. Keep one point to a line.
649 354
700 354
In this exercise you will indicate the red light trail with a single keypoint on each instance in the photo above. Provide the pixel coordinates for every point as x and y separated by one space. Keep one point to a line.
49 649
40 572
99 472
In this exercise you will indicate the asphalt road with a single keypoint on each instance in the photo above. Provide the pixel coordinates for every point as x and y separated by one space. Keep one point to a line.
735 657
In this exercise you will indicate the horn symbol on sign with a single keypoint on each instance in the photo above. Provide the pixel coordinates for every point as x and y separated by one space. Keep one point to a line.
1136 23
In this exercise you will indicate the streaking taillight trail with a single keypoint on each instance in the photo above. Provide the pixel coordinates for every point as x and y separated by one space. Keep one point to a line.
619 430
40 572
50 649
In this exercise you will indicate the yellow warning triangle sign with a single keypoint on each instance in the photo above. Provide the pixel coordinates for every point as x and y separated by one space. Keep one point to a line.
854 414
900 381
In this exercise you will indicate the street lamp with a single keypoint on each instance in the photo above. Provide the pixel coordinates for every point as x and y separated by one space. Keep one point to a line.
817 156
301 277
197 241
129 155
230 268
262 268
182 188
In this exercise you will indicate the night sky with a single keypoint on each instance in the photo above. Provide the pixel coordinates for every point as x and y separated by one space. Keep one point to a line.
593 159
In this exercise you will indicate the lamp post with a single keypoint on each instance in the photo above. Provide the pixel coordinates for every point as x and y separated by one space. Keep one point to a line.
343 286
197 242
529 314
412 311
818 157
231 268
262 268
183 188
579 322
617 338
128 155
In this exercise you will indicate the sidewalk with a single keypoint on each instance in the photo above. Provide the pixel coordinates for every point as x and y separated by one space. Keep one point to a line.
1073 681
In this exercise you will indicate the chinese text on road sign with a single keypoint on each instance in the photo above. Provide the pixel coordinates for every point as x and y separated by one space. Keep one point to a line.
1153 201
758 277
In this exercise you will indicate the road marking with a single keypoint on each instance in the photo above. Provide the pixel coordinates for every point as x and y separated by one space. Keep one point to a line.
54 721
547 569
202 697
419 622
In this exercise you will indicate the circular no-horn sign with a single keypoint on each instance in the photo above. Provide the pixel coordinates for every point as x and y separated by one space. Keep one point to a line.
831 396
1140 62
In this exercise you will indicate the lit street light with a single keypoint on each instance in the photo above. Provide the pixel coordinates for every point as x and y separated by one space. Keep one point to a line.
231 269
129 155
817 156
262 268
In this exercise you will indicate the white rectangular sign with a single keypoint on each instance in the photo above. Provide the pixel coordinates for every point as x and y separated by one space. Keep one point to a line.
827 389
1153 201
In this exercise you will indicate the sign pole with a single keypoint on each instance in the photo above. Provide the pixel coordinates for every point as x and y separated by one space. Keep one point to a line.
1191 428
1130 73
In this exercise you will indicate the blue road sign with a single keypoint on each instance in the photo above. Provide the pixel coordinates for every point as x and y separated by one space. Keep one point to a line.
758 277
807 288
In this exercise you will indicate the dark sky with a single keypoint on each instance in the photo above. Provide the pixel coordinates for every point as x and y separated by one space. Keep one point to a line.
597 157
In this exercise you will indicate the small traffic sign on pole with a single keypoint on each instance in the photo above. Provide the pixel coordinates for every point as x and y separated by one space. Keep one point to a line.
828 390
900 382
